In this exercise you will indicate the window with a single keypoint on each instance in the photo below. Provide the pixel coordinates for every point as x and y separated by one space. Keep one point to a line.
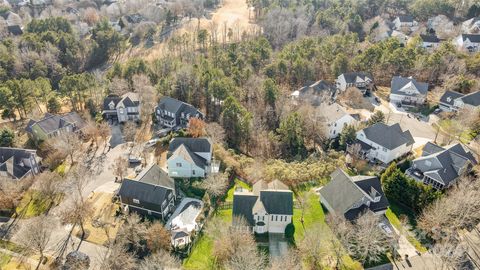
179 164
281 218
276 218
272 218
136 201
193 172
149 212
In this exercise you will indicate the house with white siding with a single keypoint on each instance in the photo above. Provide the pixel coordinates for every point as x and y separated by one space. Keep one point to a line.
172 113
336 118
360 80
408 91
266 209
384 143
122 108
452 101
468 42
404 22
190 158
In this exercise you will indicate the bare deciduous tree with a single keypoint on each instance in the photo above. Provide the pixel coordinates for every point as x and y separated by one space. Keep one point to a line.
119 167
68 143
49 184
35 236
158 238
118 258
215 184
77 212
216 132
160 260
133 232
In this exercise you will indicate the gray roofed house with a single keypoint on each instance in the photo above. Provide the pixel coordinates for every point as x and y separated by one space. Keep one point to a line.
468 42
151 193
360 80
452 101
353 196
335 118
430 41
268 209
385 143
404 22
174 113
408 91
441 167
122 109
53 125
18 163
447 100
316 93
190 157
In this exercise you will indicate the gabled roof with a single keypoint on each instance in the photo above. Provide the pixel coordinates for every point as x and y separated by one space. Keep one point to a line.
279 202
449 97
146 193
356 77
156 176
344 191
243 205
472 37
51 123
405 18
196 145
176 106
389 137
130 99
189 156
11 161
444 164
430 38
400 85
316 89
332 112
472 99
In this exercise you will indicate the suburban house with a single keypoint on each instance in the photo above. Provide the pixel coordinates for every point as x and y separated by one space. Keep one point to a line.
471 26
122 109
52 125
315 93
360 80
14 23
353 196
184 222
190 157
151 193
336 118
174 113
407 91
266 209
400 36
430 41
18 163
384 143
440 167
452 101
404 22
468 42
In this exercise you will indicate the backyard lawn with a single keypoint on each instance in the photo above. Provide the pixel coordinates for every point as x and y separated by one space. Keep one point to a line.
238 183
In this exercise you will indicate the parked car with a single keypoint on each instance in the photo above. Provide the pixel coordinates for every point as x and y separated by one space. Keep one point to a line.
385 228
134 160
163 132
152 142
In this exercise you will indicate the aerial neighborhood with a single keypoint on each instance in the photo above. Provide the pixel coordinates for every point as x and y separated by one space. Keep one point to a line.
145 134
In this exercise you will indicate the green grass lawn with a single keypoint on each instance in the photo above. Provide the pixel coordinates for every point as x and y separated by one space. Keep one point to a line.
201 255
4 260
238 183
393 213
31 205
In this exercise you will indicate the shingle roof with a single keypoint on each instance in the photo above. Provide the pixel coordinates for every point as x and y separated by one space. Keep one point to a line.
354 77
243 205
472 99
366 183
449 97
51 123
332 112
111 99
430 38
472 38
176 106
130 99
156 176
389 137
316 89
202 145
11 161
401 84
183 152
405 18
146 193
277 202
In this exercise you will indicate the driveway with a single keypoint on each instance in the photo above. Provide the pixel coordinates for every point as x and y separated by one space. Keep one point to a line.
117 136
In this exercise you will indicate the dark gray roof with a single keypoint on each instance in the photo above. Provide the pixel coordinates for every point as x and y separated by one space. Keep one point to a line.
343 192
146 193
15 30
51 123
176 106
400 83
317 89
156 176
472 38
11 161
111 98
277 202
443 164
472 99
430 38
183 152
242 207
405 18
389 137
202 145
449 97
351 77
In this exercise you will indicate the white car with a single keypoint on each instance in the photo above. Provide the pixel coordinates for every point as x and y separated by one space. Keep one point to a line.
385 228
152 142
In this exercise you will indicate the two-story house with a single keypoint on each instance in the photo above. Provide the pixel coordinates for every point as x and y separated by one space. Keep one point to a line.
336 118
151 193
440 167
190 157
452 101
266 209
407 91
353 196
384 143
468 42
173 113
122 109
430 42
18 163
404 22
315 93
359 80
471 26
53 125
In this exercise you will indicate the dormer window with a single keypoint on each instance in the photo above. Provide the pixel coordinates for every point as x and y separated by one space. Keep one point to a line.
111 105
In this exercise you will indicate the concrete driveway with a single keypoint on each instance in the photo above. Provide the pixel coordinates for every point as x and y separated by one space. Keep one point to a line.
117 136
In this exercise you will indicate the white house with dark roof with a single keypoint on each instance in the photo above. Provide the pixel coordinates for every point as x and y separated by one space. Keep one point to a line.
151 193
384 143
408 91
452 101
122 108
468 42
18 163
315 93
471 26
440 167
266 209
173 113
336 118
353 196
447 101
361 80
430 42
190 157
404 22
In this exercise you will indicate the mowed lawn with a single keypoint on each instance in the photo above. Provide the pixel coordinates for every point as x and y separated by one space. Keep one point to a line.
314 218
